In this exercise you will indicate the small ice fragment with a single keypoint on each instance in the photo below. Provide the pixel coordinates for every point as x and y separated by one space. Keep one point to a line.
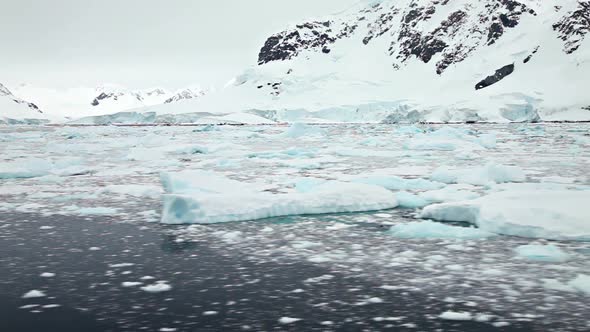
131 283
121 265
288 320
375 300
542 253
157 287
51 306
28 306
33 294
437 230
451 315
581 283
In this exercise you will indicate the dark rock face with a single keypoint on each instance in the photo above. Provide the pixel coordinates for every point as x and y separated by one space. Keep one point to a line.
4 91
573 27
530 56
497 77
408 29
112 95
288 44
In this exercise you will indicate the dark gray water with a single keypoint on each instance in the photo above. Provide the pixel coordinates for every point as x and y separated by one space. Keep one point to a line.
245 294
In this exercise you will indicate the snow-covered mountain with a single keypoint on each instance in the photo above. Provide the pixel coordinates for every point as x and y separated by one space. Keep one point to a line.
185 94
110 98
420 60
17 110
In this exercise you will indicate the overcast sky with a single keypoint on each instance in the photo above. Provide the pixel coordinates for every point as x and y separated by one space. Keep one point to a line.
141 43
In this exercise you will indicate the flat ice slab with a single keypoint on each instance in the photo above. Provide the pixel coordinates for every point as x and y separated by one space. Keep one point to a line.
210 198
549 214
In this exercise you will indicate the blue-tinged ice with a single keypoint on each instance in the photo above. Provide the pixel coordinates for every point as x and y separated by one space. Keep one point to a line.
436 230
542 253
205 197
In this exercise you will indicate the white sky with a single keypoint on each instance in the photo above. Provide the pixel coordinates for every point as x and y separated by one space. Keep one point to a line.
141 43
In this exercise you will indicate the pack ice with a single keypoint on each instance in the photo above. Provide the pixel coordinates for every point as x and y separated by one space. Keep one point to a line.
549 214
202 197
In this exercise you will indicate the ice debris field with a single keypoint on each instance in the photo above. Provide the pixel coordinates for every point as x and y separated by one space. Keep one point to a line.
501 210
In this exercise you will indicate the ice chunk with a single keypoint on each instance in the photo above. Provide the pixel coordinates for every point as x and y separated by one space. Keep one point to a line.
451 315
436 230
410 201
158 287
198 181
27 168
216 199
450 139
398 183
450 193
33 294
298 130
490 173
97 211
550 214
542 253
136 190
288 320
581 283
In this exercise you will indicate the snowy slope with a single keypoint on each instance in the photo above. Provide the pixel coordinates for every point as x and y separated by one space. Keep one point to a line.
14 110
419 60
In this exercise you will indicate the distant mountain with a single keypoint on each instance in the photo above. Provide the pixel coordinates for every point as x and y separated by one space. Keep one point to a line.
14 110
440 60
403 61
79 102
185 94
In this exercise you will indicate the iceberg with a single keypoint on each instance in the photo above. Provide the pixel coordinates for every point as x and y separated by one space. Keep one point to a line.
549 214
205 198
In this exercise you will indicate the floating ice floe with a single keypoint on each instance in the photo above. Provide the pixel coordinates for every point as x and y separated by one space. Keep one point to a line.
27 168
410 201
451 193
33 294
399 183
450 139
490 173
437 230
298 130
550 214
581 283
206 197
37 167
135 190
542 253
